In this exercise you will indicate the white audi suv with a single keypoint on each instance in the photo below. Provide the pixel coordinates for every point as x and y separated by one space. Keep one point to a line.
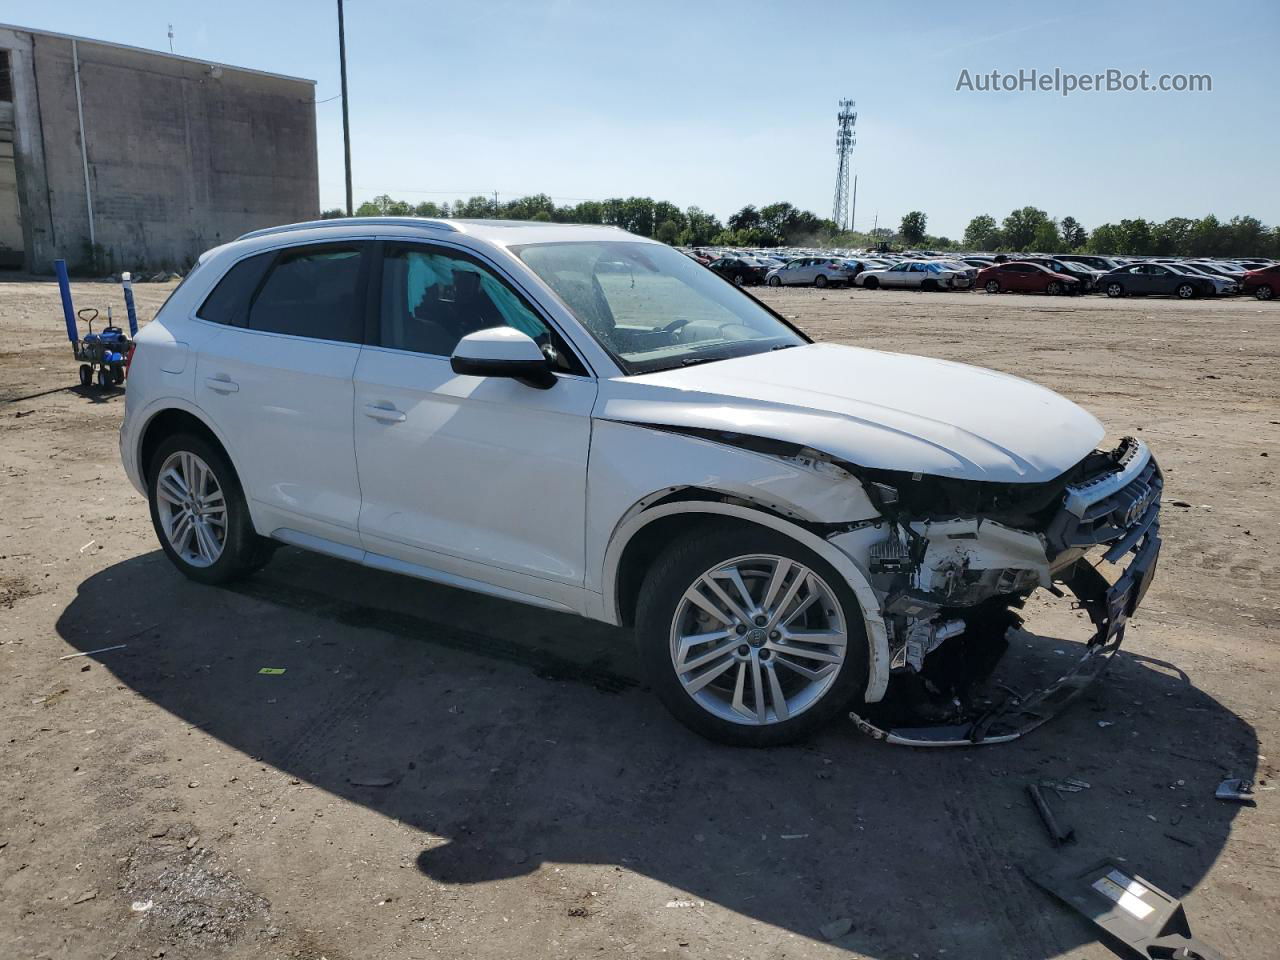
588 421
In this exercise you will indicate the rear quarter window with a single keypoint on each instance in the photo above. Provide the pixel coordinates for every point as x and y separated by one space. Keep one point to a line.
228 302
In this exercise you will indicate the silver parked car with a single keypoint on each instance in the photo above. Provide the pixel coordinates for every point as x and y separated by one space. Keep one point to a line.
819 271
914 275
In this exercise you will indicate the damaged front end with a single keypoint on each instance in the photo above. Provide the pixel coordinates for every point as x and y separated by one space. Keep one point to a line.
957 561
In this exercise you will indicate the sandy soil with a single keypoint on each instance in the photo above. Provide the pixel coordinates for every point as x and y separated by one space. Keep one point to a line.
437 774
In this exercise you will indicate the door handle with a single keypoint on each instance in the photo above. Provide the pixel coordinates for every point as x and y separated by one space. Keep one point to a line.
222 384
383 413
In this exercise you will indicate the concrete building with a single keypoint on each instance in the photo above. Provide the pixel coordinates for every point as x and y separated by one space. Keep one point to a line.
117 158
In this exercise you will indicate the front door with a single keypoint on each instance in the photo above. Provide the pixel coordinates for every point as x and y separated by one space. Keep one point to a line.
482 478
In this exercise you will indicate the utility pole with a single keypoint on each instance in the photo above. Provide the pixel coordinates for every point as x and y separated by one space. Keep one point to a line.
853 208
495 203
346 121
171 38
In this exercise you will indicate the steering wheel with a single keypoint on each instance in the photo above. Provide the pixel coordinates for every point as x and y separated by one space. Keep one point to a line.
675 326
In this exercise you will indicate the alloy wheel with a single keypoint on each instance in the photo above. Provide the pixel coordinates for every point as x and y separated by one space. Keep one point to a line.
192 508
758 639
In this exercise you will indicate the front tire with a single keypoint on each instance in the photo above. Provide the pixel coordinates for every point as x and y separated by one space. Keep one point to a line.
199 512
1053 288
749 638
819 281
775 281
871 283
1264 292
1114 290
993 286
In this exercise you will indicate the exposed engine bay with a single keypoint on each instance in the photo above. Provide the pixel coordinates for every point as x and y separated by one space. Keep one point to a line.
952 588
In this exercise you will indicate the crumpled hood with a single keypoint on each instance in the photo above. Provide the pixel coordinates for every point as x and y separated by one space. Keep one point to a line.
891 411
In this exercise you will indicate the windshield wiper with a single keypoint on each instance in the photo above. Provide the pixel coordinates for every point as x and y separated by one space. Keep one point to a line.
783 346
694 361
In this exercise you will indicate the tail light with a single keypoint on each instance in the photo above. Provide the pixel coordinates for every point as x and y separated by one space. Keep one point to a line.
128 361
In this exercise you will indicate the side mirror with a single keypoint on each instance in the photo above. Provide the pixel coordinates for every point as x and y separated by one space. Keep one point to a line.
502 352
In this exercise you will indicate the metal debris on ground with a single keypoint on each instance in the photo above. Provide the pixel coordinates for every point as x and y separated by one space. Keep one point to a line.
1137 913
1058 833
90 653
1235 789
1065 785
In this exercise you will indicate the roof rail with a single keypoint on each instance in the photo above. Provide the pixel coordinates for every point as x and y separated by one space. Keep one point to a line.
352 222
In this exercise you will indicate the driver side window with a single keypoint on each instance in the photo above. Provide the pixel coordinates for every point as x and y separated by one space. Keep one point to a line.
432 297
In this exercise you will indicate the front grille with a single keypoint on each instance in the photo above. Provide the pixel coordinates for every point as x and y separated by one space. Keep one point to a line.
1118 518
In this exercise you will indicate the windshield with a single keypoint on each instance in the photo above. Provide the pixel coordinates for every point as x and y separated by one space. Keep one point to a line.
652 307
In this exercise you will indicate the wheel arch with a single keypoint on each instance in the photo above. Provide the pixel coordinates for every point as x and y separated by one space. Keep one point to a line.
642 534
172 418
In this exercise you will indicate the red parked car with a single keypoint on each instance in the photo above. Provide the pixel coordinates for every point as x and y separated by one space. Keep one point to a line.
1264 283
1022 277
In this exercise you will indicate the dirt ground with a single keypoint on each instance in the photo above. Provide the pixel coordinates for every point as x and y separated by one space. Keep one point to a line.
439 774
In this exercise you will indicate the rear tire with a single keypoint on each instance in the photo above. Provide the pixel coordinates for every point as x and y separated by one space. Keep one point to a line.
666 619
1185 291
199 512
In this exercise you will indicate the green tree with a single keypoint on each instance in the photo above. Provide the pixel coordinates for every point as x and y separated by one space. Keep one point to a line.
912 228
1105 239
982 233
1074 236
1019 227
747 218
333 214
1046 238
668 232
1135 236
700 228
1172 238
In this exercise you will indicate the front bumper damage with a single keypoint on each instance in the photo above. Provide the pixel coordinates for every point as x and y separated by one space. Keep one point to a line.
1100 541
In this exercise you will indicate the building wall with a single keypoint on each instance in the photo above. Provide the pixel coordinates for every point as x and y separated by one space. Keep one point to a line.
182 155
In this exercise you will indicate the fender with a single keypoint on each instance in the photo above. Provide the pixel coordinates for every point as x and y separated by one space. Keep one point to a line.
134 430
877 635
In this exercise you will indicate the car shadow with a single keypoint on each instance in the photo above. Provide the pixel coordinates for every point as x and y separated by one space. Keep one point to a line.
515 738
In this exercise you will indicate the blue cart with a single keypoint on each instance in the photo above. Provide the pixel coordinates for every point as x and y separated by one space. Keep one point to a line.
103 356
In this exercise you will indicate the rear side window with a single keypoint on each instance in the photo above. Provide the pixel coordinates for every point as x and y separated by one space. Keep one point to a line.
229 301
312 292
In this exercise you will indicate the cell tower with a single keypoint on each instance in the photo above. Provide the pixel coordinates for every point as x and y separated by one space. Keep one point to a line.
845 140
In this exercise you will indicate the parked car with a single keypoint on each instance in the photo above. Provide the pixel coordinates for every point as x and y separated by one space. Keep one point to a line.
1264 283
1020 276
819 271
478 405
1101 264
1142 279
740 271
1087 276
914 274
1223 286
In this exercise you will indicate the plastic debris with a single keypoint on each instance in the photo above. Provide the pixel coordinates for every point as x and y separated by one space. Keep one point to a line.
1235 789
272 671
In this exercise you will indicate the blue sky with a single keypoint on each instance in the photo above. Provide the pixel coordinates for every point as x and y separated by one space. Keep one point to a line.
726 103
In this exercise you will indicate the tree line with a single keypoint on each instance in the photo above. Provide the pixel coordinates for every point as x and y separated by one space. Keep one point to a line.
1027 229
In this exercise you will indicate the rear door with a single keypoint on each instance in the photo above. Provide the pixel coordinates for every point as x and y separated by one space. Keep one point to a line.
276 380
480 477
